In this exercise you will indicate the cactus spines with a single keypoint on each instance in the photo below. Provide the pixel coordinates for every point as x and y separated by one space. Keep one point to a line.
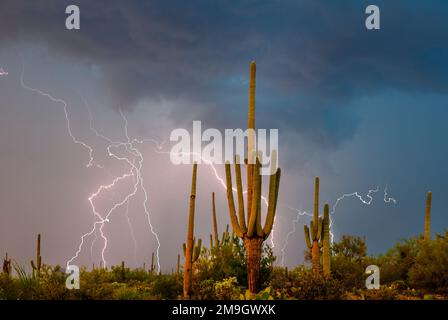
7 265
215 223
248 226
428 216
326 250
189 248
38 265
313 238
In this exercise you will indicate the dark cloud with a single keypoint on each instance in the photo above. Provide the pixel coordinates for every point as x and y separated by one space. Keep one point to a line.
313 57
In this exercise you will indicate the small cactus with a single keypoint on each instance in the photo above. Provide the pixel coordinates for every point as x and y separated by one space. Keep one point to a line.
153 267
428 216
314 240
215 224
37 267
7 265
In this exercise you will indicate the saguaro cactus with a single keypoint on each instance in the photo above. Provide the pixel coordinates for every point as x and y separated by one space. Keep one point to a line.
153 267
191 250
7 265
250 229
215 223
326 250
38 265
428 216
178 264
314 242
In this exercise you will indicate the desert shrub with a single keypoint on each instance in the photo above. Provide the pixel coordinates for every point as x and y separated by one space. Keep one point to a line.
279 278
9 288
222 262
52 284
229 260
167 286
28 285
307 286
204 290
397 262
430 270
349 262
227 289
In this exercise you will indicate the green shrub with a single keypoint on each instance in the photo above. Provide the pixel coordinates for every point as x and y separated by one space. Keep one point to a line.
167 287
430 270
227 289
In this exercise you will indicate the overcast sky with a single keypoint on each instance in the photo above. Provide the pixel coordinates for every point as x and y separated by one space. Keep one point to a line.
360 109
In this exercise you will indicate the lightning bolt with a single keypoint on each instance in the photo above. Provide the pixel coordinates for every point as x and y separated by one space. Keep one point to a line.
387 199
300 213
134 173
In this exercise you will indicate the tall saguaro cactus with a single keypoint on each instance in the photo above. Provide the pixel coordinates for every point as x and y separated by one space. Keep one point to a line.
38 265
313 241
326 250
191 251
250 229
428 216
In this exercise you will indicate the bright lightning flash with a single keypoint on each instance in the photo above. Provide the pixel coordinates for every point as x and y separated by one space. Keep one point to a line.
134 160
367 201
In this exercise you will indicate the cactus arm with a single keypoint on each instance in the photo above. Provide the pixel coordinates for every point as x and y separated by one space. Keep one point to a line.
197 250
278 174
239 188
259 228
251 229
307 236
233 218
211 241
319 229
313 235
272 204
215 223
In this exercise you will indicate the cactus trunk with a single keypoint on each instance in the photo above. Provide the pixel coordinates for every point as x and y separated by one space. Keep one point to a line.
315 257
326 250
38 265
428 217
253 259
313 234
189 245
215 223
